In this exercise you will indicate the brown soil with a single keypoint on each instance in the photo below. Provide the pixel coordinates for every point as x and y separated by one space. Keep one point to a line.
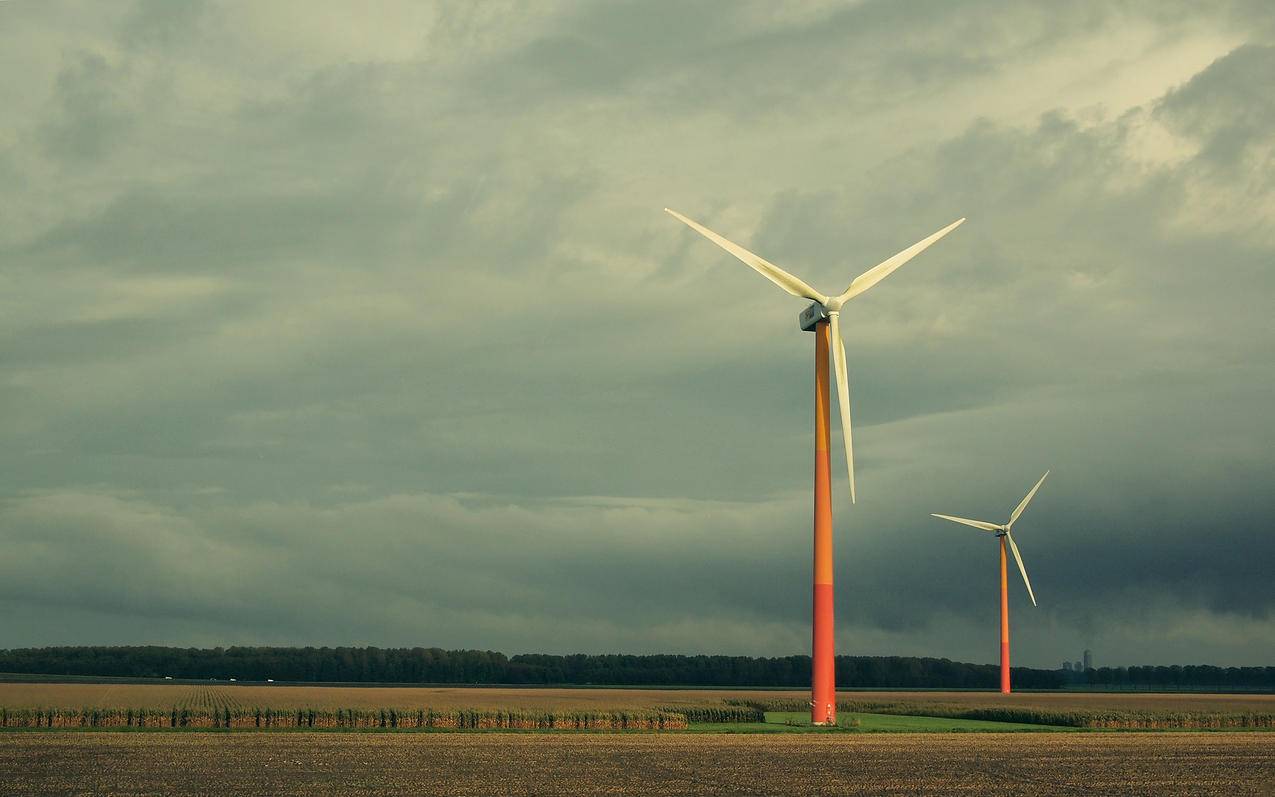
1232 764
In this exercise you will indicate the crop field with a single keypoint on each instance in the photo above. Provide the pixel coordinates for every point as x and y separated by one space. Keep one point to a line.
258 706
1082 701
224 695
104 695
807 764
779 722
1153 712
908 749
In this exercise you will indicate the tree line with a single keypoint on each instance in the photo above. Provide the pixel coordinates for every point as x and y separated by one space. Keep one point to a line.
1170 676
435 665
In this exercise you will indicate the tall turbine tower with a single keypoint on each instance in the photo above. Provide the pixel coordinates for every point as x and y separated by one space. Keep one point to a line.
1005 533
823 318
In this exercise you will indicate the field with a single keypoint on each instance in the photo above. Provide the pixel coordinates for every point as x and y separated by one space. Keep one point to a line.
874 753
651 764
799 722
260 706
222 695
33 695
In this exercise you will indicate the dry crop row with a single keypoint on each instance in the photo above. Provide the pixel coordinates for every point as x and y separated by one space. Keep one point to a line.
35 695
267 718
208 698
719 713
1076 718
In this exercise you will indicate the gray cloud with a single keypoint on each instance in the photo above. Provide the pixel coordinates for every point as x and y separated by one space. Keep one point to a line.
379 335
1224 106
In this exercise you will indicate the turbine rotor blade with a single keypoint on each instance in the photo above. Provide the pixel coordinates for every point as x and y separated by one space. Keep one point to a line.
770 271
883 269
1026 501
843 395
1021 568
978 524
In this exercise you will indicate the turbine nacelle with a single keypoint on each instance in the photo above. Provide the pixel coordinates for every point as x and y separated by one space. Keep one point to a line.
816 313
811 316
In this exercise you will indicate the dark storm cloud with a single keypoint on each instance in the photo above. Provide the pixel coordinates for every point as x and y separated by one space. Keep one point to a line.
90 118
375 333
1224 106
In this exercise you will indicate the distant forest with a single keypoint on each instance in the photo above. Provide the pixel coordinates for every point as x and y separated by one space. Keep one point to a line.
1176 675
436 666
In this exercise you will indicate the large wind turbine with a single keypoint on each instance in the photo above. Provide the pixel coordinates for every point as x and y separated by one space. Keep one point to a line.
823 318
1005 533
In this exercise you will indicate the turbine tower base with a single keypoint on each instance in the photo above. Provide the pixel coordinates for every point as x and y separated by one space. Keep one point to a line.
1004 622
823 670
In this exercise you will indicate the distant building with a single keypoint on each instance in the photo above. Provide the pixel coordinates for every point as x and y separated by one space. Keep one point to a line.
1078 667
1088 659
1067 666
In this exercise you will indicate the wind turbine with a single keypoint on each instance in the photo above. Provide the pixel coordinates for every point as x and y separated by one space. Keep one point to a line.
1005 533
823 318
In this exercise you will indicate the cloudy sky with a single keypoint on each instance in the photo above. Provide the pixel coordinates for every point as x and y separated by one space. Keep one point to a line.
325 326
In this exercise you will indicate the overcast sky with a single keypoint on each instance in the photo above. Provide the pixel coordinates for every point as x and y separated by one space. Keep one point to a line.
324 325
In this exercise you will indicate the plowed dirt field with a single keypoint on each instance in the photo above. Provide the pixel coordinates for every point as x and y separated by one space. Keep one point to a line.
1090 764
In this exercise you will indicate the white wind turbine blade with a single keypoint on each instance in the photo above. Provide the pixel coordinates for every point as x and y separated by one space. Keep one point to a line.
769 270
1021 568
1026 500
978 524
843 394
882 270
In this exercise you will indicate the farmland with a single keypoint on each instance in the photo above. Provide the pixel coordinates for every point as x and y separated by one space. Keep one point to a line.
221 695
909 748
1160 712
242 706
862 722
107 695
653 764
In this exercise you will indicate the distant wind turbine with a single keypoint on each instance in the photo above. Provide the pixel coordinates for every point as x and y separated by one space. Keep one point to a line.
1005 533
823 318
